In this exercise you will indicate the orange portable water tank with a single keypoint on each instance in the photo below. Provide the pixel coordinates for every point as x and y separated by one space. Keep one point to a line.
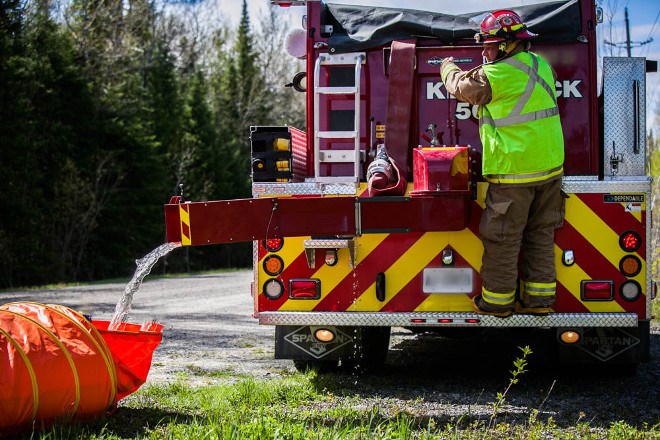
55 365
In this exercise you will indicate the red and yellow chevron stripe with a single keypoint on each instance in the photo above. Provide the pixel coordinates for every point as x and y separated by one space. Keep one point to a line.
592 229
184 215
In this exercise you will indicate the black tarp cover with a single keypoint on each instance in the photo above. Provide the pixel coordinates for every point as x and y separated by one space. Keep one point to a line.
363 27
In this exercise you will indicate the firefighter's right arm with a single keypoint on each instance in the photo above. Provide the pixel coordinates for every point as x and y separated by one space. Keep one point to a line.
471 86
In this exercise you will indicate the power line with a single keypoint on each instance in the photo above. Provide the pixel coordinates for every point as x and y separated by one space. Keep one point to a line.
629 44
654 23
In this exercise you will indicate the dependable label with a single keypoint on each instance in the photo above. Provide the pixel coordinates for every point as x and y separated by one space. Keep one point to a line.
623 198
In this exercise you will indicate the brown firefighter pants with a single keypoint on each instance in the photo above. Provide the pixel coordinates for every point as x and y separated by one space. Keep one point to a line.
520 217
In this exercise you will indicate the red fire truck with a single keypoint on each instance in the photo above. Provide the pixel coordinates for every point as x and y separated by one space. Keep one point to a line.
367 218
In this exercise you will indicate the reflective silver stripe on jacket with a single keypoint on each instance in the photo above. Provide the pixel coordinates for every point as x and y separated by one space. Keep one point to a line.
515 117
529 177
519 119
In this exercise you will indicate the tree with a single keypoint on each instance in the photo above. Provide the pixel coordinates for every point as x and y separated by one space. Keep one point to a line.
14 107
106 106
286 106
49 162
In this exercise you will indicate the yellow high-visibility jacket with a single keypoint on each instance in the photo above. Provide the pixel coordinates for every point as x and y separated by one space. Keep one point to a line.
520 128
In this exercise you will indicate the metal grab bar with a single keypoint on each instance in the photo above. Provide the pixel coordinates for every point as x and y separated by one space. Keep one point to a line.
636 122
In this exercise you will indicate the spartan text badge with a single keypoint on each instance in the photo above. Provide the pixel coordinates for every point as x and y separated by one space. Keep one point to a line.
303 339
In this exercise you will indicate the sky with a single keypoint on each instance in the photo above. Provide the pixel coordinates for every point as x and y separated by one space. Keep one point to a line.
643 15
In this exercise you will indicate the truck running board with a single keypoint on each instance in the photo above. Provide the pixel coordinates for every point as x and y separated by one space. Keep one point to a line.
447 319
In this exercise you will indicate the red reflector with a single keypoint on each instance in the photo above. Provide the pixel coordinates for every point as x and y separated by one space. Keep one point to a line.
472 321
305 289
445 321
417 320
597 290
273 244
630 241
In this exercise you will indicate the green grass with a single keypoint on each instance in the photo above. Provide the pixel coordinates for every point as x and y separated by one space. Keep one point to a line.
304 406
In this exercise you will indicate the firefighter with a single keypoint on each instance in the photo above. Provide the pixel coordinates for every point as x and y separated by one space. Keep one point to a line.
523 155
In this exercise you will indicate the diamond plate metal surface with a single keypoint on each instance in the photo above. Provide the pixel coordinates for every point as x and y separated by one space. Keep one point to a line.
326 244
622 117
579 178
302 188
254 288
571 184
430 319
620 185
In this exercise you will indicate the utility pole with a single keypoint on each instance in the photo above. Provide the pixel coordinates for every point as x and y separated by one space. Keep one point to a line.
627 31
628 43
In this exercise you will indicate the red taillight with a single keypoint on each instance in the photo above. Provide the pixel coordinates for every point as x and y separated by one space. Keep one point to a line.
445 321
273 244
597 290
630 241
417 320
305 289
472 321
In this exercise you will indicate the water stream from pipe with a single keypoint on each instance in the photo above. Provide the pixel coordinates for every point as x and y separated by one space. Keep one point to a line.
143 269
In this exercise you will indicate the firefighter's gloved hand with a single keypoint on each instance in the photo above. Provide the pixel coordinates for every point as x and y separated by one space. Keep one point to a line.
446 67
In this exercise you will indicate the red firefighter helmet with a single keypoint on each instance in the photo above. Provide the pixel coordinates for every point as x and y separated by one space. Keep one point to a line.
502 25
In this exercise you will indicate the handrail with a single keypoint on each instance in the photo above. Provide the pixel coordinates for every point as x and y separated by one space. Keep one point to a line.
344 59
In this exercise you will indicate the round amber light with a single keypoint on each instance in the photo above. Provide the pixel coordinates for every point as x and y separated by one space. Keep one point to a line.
630 265
273 265
569 337
324 335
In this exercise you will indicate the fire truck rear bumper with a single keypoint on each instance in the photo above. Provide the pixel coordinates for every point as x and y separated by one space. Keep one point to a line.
448 319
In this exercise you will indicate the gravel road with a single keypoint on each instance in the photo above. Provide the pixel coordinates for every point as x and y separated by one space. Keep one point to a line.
211 335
